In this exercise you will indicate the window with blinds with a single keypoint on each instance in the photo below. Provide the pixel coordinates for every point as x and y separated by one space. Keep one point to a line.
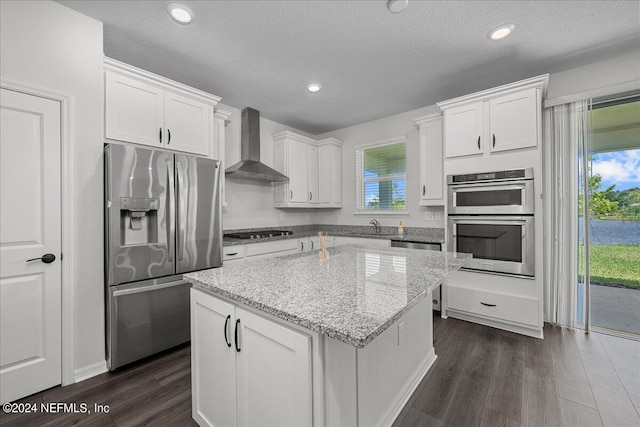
381 175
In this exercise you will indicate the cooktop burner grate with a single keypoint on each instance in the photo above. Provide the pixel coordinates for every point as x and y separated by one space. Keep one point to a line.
259 234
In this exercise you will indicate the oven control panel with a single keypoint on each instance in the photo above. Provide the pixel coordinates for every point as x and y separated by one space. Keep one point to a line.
492 176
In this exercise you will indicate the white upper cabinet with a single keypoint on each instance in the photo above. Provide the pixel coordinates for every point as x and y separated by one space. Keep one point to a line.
134 110
330 172
464 130
147 109
188 124
314 169
296 170
312 173
431 160
499 119
513 120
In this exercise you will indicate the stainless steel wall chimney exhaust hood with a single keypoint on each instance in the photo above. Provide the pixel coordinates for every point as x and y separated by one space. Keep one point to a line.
250 166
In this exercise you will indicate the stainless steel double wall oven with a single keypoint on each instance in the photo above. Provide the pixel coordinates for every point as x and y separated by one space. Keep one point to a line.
491 215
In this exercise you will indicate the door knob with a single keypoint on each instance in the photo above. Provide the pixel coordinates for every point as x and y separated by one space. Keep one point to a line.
46 258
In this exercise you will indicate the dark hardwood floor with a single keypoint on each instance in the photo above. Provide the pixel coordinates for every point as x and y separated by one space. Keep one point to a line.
483 377
488 377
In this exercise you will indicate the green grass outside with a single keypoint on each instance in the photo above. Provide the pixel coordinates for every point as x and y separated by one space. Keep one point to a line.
617 264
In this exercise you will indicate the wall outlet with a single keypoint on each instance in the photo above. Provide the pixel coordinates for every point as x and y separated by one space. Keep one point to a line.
428 216
438 216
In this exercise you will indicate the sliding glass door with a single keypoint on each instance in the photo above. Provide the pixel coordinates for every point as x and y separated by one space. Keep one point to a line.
609 218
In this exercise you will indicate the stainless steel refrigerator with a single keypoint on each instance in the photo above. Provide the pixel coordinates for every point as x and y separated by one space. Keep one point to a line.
162 218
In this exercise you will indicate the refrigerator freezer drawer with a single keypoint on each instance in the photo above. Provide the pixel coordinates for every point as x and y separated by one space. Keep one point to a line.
145 318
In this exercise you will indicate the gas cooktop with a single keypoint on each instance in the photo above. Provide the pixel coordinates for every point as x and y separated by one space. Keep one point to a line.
259 234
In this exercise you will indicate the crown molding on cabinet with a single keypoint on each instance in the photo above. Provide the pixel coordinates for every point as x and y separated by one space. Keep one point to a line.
534 82
131 71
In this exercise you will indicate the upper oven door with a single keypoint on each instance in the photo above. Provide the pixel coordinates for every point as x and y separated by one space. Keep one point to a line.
489 198
499 244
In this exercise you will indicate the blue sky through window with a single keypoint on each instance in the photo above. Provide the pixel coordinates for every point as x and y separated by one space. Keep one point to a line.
618 167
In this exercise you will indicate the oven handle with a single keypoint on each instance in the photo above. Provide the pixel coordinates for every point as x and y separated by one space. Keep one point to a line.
491 186
493 219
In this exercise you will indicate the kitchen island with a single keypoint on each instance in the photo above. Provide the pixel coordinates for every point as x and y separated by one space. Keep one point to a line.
312 340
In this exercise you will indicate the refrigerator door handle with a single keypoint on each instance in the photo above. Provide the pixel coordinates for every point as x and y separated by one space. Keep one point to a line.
148 288
170 209
182 232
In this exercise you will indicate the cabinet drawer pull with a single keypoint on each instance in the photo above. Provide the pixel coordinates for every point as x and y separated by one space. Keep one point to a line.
494 140
169 136
233 254
290 194
488 305
478 143
236 335
226 323
160 135
424 189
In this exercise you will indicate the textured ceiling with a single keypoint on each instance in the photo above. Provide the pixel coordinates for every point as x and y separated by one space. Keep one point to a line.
371 63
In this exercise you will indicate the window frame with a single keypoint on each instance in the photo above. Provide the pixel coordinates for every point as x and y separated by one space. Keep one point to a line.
360 181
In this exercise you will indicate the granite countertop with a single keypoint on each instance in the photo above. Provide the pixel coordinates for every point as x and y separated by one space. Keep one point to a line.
353 296
411 234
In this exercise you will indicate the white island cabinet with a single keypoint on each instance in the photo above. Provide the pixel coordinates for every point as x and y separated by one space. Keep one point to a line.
307 340
251 371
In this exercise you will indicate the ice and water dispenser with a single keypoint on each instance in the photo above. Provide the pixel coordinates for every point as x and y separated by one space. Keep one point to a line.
138 221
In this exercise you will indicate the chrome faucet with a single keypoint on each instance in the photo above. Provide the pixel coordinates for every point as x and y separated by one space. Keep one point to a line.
376 225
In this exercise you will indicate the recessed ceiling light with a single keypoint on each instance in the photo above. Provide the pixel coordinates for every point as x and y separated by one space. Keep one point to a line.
397 6
501 32
181 13
314 87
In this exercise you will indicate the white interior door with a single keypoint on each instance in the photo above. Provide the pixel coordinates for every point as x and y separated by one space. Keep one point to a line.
30 292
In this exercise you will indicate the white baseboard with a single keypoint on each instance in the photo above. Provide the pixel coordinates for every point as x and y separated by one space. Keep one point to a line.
406 392
90 371
523 330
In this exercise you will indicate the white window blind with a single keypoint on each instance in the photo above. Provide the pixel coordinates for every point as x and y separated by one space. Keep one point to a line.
381 175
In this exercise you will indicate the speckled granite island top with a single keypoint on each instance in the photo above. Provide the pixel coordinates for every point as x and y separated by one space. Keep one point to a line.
353 296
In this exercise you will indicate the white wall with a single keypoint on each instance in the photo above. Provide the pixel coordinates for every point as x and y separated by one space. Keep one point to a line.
51 47
250 203
376 130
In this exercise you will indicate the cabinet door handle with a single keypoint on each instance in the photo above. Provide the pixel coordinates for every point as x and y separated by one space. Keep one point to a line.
160 135
494 140
312 245
169 136
310 196
226 323
424 189
290 194
478 143
233 254
488 305
301 246
236 335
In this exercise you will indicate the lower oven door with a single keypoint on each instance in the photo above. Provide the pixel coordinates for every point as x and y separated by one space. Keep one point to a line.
499 244
146 317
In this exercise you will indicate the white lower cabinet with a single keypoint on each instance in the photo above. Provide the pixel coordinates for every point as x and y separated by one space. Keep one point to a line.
233 254
313 243
272 249
509 303
500 306
247 370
